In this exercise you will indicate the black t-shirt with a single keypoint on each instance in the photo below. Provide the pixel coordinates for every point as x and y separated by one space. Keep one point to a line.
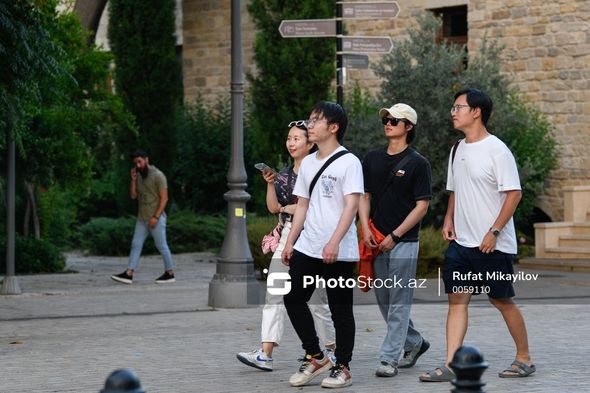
412 183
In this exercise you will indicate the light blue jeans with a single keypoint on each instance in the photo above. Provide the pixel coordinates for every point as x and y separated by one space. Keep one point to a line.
395 303
142 231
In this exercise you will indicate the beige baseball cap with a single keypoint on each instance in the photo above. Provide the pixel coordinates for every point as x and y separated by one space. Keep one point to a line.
400 111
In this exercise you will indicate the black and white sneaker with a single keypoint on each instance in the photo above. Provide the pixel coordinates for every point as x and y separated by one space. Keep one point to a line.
123 277
165 278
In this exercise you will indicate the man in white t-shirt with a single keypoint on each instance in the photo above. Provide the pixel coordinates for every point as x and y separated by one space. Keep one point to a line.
322 245
485 191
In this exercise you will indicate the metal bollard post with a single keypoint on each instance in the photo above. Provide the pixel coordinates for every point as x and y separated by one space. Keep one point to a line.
468 365
122 381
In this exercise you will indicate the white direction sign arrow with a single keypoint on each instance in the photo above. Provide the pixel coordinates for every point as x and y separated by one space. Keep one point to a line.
372 10
366 44
308 28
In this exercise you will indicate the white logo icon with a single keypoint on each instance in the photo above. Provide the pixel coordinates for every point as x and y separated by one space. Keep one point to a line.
278 276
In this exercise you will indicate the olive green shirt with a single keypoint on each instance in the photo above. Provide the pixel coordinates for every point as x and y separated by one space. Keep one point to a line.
148 192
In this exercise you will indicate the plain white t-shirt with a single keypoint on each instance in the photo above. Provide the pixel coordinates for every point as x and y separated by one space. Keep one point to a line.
344 176
480 175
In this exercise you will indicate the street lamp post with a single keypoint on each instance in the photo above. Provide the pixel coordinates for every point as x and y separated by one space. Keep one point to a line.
234 283
10 283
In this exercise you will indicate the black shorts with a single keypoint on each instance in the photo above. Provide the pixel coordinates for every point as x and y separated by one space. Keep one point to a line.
468 270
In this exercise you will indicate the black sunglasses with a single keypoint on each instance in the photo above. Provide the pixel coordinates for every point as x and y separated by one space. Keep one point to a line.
394 121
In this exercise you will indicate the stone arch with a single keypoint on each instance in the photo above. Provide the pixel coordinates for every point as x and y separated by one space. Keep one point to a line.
89 12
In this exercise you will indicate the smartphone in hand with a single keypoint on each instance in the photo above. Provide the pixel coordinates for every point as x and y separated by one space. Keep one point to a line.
261 166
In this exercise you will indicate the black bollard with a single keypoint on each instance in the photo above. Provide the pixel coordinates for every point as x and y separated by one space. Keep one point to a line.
468 365
122 381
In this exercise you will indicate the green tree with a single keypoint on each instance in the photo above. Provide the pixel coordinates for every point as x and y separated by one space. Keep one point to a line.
291 74
147 71
27 56
426 75
76 134
28 60
203 156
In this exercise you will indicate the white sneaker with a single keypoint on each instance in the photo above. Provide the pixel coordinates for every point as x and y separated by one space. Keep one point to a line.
257 359
340 377
309 369
386 370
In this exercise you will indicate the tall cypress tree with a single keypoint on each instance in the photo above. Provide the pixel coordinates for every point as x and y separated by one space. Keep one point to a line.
147 71
291 73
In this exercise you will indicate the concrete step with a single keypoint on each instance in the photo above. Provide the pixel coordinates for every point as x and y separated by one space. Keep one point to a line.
568 252
570 265
574 241
581 228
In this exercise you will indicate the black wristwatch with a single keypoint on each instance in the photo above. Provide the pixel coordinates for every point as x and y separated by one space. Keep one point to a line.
396 239
495 231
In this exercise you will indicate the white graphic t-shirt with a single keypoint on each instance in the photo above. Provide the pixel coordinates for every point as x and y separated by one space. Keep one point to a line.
343 177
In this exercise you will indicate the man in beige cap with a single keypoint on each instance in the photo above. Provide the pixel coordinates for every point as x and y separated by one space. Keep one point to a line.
397 193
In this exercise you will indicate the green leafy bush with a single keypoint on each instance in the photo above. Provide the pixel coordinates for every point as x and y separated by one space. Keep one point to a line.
186 232
33 256
432 250
257 227
107 236
203 153
57 214
191 232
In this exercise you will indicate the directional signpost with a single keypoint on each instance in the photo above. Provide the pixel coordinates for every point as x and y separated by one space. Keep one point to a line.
355 61
348 49
307 28
367 44
373 10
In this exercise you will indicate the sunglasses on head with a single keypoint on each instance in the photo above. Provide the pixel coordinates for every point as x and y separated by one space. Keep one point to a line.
298 123
394 122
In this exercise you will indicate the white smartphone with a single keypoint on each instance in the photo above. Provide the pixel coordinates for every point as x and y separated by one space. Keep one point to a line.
261 166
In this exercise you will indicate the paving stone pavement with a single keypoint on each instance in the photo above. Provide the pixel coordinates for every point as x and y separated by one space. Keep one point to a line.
67 332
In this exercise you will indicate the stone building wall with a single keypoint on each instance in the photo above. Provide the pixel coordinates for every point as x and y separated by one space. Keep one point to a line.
547 54
207 47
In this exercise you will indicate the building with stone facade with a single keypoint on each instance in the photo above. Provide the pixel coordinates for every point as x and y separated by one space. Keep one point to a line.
547 53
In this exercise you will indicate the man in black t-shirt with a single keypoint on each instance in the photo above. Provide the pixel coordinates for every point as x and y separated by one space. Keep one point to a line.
397 193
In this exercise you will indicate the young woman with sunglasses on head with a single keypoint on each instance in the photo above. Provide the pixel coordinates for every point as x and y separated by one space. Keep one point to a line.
280 199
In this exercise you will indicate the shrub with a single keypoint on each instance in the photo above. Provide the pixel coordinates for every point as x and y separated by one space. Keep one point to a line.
257 227
186 232
33 256
57 214
191 232
107 236
432 250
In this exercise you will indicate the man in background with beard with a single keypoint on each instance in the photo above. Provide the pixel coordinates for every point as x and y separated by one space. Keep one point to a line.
151 190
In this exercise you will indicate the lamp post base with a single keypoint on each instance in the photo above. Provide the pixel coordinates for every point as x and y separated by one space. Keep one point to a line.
10 286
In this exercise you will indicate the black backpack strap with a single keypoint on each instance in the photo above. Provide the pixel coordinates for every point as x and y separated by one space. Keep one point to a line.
455 146
323 168
411 154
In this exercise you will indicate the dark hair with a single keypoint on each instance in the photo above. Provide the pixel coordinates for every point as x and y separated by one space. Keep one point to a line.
304 129
139 153
411 135
478 99
334 114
